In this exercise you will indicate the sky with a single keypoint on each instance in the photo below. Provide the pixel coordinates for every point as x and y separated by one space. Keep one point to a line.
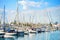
35 11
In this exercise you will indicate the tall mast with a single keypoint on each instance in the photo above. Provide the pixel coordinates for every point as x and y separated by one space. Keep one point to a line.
17 14
50 19
30 20
4 18
4 15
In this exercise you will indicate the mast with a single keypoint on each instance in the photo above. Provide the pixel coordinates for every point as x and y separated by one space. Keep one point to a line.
17 15
33 20
50 19
4 18
30 21
23 22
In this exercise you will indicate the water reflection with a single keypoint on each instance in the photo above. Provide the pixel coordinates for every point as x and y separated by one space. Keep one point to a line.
9 39
55 35
2 39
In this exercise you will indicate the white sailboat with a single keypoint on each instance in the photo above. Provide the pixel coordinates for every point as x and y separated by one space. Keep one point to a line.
26 32
10 34
2 32
1 28
32 31
20 31
6 33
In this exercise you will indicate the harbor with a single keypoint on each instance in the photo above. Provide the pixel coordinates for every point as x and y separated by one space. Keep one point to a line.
15 31
41 36
29 20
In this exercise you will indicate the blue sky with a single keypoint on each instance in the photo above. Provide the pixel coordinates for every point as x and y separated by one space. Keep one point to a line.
37 9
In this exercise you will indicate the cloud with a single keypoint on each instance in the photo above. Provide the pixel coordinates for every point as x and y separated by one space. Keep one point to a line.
27 4
36 15
1 10
34 4
23 3
43 16
46 3
10 15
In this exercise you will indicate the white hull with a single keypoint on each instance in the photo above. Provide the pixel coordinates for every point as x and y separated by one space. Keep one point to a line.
1 30
2 33
20 31
10 34
26 32
32 31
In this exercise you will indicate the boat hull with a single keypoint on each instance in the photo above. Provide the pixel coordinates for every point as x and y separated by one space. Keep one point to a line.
26 33
20 33
10 34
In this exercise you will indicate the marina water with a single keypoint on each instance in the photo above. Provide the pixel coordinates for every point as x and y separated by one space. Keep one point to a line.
53 35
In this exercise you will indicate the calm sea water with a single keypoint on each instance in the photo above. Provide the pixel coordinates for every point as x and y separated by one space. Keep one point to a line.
40 36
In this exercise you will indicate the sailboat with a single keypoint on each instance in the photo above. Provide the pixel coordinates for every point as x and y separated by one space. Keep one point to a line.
2 32
19 31
31 30
6 33
26 32
48 29
10 33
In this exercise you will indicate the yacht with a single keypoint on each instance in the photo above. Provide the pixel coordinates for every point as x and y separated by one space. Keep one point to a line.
32 31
